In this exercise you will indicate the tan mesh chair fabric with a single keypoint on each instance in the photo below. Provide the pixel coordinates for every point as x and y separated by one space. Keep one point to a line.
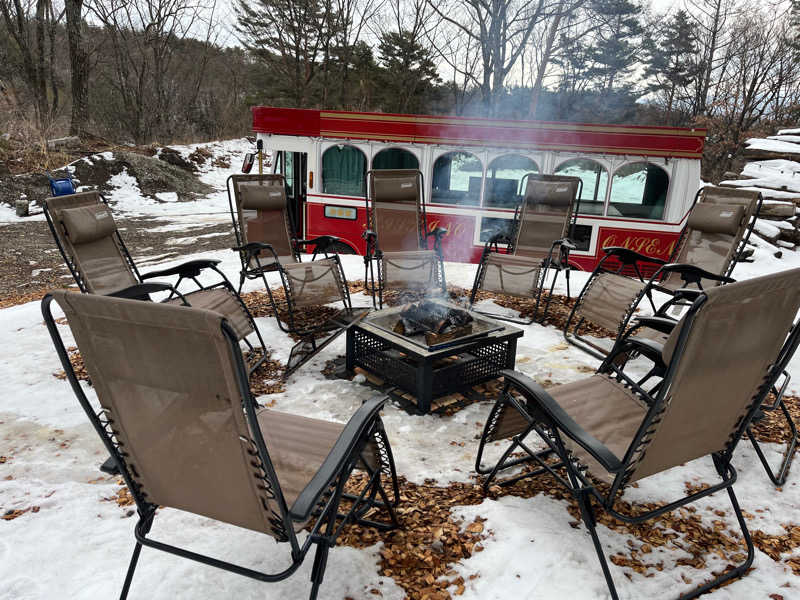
607 410
608 299
165 376
714 230
545 214
263 216
733 340
92 247
314 283
413 270
222 301
512 275
600 405
395 209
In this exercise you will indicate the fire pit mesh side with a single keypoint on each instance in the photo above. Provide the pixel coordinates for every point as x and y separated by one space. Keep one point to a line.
476 366
446 374
375 355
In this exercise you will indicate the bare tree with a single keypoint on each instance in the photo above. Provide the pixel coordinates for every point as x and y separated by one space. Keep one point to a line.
32 25
498 30
145 38
79 67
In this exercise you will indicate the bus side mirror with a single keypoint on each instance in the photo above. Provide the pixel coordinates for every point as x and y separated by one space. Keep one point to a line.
249 159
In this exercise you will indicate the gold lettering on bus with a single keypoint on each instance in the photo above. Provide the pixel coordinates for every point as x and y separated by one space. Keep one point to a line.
650 246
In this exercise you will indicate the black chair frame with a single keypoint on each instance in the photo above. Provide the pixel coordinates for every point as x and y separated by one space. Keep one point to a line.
632 260
373 255
248 252
189 270
321 498
507 239
546 418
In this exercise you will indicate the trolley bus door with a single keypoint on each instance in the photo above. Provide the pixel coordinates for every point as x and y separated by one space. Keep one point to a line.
293 166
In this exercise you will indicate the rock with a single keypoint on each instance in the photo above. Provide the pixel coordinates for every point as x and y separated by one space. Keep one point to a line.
173 157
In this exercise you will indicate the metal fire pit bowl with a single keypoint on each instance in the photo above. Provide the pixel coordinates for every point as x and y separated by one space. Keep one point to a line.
387 319
430 371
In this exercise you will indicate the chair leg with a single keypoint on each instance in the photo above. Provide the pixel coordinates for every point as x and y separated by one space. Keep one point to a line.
587 514
779 478
131 568
318 570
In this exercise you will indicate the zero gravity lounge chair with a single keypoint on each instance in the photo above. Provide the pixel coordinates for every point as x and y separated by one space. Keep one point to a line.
538 242
720 367
266 244
177 414
90 243
712 242
398 256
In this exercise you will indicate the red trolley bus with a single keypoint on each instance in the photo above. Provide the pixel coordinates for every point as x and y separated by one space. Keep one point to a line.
638 181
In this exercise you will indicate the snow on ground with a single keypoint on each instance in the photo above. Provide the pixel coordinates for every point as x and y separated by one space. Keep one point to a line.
79 544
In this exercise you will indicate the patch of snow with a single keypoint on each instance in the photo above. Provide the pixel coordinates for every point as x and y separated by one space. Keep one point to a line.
773 146
788 131
167 196
767 228
785 138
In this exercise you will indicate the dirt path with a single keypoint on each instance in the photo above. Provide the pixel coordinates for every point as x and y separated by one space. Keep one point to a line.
30 263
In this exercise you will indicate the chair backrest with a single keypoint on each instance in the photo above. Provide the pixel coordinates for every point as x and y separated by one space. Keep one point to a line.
260 213
167 380
396 209
732 337
549 205
717 227
86 235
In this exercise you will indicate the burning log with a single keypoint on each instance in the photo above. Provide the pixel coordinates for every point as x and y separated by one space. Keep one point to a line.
437 322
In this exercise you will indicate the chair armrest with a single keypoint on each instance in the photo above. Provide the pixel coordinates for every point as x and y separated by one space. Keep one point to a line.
191 268
341 452
320 243
141 291
630 257
566 244
437 232
691 273
661 324
648 348
540 400
498 238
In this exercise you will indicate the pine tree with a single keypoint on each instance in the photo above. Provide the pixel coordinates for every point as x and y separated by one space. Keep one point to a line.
410 74
291 37
670 59
617 46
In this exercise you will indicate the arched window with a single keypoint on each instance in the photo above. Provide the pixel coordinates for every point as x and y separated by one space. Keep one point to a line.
343 170
639 190
457 179
504 180
595 181
395 158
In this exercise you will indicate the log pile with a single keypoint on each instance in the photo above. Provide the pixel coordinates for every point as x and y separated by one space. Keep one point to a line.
774 170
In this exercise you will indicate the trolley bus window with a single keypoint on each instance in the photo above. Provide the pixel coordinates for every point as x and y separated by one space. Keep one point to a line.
457 179
639 190
395 158
504 180
343 170
595 181
493 225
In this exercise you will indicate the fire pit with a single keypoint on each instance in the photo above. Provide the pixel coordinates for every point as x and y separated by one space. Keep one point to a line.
431 348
